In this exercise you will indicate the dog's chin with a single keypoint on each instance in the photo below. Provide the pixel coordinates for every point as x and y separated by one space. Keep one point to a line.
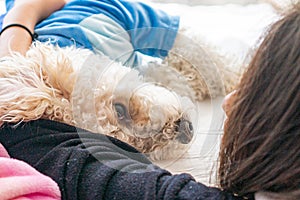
143 132
148 139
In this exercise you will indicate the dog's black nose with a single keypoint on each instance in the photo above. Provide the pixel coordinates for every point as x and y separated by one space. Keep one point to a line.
186 131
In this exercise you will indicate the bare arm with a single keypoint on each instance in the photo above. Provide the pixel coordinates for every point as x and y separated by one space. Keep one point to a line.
27 13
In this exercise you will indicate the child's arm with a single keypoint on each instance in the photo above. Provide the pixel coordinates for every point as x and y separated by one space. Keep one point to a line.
27 13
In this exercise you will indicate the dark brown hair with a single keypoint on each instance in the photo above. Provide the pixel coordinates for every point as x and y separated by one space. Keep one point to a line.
260 150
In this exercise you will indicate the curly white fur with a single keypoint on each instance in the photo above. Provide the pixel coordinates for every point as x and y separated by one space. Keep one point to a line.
76 87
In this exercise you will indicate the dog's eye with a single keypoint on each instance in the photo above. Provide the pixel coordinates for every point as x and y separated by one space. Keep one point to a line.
120 110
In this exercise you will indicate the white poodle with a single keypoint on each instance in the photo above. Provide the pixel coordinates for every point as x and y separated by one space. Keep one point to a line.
148 110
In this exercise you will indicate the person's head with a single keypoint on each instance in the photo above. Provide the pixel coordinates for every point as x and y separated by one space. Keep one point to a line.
260 149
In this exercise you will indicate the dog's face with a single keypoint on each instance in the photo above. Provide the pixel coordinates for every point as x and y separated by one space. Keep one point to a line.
145 115
153 116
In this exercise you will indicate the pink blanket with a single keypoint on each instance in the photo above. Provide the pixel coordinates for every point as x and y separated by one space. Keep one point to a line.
19 181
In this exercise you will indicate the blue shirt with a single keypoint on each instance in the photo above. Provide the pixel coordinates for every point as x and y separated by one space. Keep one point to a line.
121 29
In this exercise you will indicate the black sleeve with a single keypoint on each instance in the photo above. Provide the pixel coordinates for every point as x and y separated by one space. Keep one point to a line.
90 166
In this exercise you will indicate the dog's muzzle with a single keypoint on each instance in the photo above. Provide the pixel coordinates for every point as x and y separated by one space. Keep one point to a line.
186 131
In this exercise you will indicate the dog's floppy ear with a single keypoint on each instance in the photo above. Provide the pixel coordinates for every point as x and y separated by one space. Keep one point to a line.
25 91
55 65
23 95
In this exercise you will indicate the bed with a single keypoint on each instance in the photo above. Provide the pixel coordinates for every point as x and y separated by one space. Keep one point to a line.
234 30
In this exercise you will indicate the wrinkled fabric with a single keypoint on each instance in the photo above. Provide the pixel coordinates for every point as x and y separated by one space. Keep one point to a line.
94 166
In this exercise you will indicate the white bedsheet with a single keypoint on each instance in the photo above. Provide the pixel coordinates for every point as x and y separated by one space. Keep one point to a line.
233 28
